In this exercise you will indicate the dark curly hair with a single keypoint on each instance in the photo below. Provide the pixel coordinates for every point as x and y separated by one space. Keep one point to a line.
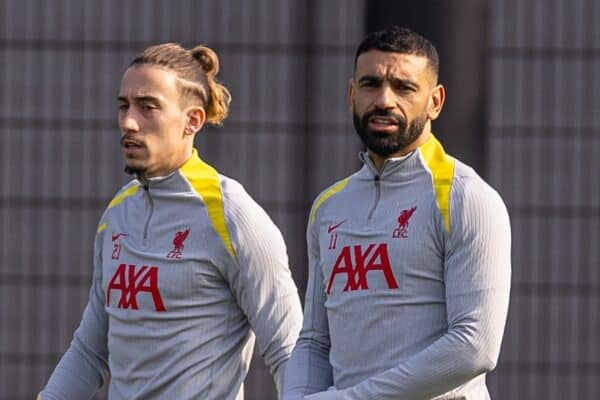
400 40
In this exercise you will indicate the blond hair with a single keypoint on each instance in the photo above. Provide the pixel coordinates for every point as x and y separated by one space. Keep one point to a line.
197 70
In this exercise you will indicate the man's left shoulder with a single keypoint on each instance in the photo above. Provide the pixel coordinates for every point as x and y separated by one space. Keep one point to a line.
469 189
466 179
240 206
235 194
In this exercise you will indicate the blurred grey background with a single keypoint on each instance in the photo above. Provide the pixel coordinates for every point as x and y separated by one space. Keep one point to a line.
522 79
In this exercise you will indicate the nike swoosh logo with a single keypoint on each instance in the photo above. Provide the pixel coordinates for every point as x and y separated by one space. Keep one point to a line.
332 228
118 235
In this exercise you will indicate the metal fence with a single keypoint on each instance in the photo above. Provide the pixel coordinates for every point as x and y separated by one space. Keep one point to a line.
543 144
288 135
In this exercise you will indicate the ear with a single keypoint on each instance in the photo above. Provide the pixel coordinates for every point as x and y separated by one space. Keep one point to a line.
436 102
350 93
196 116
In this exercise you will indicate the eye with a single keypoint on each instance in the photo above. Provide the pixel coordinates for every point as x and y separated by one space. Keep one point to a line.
370 84
123 107
149 107
404 87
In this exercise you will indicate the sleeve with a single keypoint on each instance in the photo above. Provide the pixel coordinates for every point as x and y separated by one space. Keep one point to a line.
477 278
309 370
83 369
264 287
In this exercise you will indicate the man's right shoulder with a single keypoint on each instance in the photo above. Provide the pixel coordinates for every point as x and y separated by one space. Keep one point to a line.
129 189
126 191
327 194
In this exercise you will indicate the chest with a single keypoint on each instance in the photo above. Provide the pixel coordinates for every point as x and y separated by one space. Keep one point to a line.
391 243
160 261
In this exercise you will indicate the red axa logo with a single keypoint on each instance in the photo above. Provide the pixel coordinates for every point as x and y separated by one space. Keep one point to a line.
355 261
178 240
130 280
402 230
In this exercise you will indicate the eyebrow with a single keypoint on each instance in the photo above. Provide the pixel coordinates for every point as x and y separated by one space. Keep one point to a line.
393 80
404 82
139 99
370 78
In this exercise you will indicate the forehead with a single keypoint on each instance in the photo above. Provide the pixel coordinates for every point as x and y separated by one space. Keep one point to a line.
148 80
398 65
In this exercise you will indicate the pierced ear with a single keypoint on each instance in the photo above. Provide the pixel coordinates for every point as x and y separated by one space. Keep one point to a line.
436 102
196 116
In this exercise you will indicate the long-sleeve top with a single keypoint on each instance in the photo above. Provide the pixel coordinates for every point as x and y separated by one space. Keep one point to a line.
409 281
188 271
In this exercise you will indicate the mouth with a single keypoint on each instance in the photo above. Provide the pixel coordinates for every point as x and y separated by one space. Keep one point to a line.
383 123
131 146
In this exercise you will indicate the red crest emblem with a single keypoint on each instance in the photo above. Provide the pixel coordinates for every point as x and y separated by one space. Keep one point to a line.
402 230
178 241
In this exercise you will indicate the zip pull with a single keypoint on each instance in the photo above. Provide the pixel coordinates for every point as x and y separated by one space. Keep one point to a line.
377 180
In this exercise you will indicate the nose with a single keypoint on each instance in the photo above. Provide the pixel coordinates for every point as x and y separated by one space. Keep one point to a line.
385 98
127 121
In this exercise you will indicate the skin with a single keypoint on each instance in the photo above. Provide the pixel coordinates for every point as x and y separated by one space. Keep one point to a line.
157 127
405 86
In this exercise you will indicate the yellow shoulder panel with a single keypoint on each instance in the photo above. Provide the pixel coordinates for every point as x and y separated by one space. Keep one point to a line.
118 199
338 187
205 181
441 166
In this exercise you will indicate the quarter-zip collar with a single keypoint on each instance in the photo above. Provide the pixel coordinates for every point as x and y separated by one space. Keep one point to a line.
397 169
154 181
392 167
161 187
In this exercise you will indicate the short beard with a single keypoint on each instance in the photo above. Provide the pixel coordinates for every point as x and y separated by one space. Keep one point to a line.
384 144
137 172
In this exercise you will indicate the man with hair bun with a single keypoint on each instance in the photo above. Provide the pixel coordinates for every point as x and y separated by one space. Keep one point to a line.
188 269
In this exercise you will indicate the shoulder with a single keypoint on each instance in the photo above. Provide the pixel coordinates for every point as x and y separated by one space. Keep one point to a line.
327 194
458 189
469 188
125 192
231 210
249 226
235 197
217 191
474 201
241 211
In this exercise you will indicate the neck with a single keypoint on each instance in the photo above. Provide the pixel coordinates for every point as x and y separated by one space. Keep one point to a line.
379 160
175 164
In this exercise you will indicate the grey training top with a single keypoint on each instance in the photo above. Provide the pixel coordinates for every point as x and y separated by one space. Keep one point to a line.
409 279
186 268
